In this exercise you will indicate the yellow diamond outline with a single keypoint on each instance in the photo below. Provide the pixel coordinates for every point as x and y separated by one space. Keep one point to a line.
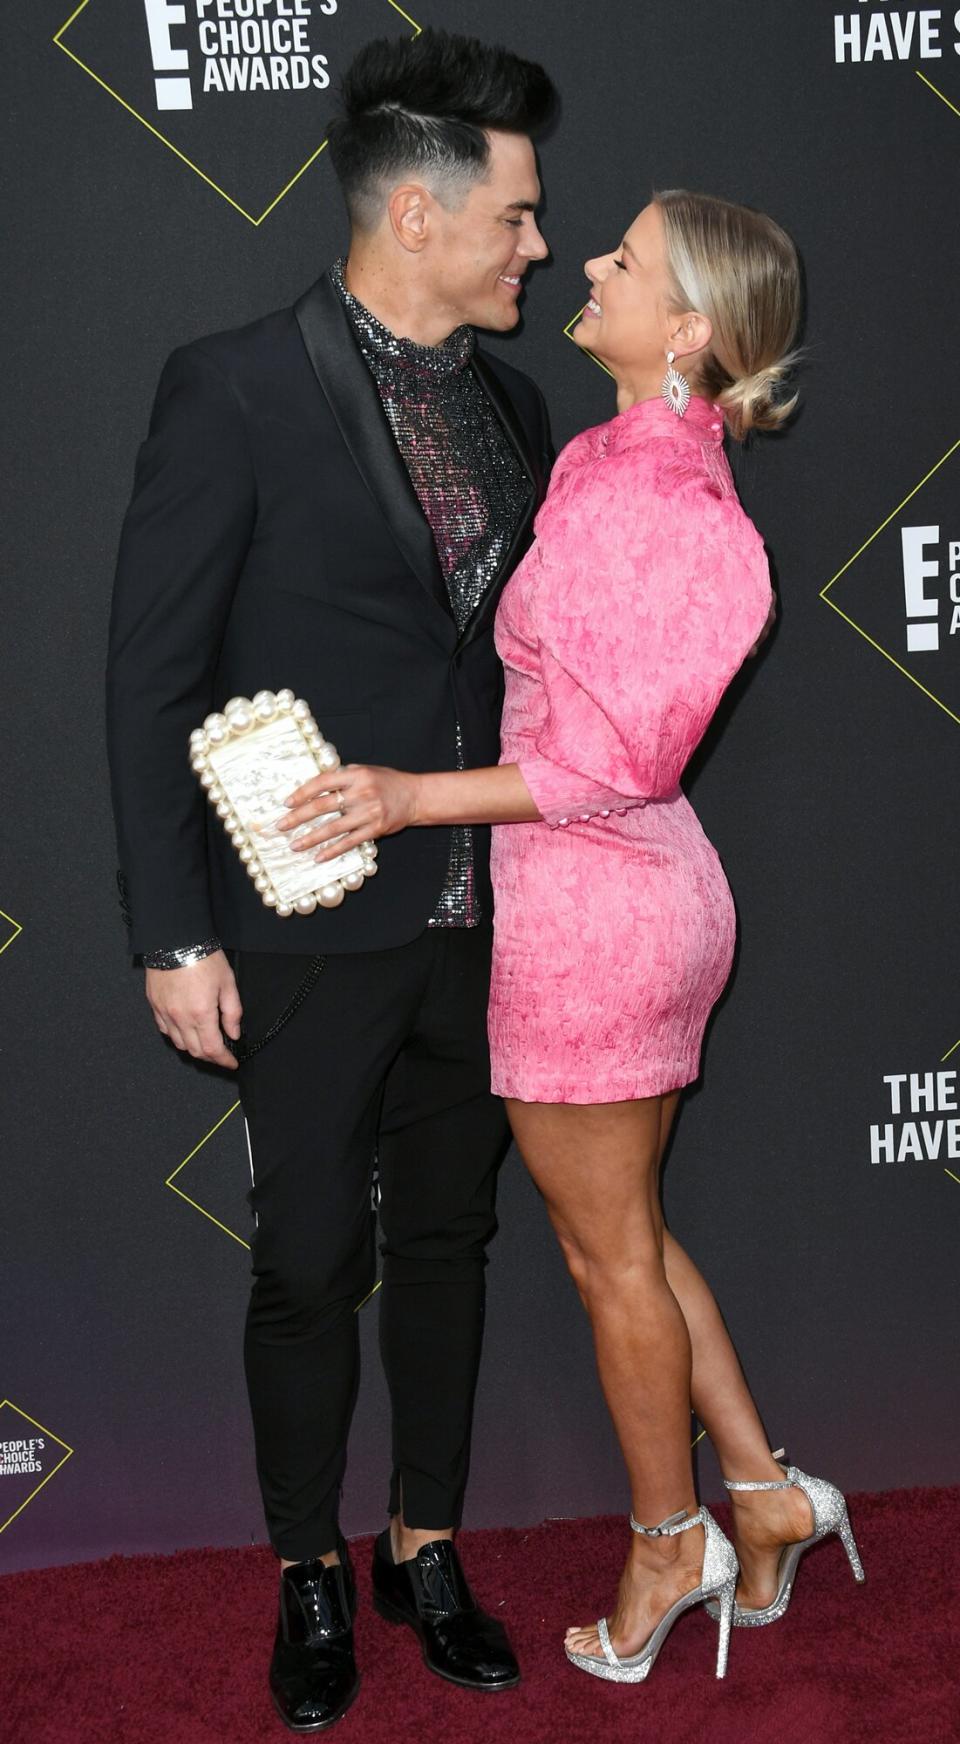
51 1474
937 93
256 222
171 1178
851 560
568 334
17 930
209 1214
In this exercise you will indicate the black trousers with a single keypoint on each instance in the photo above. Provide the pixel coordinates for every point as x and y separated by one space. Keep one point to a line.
383 1066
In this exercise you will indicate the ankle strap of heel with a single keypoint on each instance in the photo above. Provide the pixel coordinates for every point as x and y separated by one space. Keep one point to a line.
784 1483
669 1527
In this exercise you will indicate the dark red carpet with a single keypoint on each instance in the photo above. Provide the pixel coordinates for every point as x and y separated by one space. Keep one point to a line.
173 1649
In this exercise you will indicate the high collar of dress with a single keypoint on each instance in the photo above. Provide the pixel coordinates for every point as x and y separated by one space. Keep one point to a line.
436 363
702 422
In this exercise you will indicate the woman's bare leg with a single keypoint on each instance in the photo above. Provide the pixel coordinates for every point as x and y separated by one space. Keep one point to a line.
597 1168
763 1521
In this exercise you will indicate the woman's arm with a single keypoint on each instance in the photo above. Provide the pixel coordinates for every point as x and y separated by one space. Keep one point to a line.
379 802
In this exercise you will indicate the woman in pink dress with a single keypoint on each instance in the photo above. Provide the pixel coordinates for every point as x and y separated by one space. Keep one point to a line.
614 929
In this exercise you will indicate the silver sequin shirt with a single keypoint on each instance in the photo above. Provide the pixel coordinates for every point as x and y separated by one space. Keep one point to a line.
470 485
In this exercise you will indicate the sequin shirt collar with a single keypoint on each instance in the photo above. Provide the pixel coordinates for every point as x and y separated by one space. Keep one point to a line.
376 341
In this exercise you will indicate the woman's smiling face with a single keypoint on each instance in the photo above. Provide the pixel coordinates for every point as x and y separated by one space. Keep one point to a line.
631 322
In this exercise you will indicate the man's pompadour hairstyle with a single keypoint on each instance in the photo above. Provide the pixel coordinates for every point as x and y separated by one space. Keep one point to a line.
422 106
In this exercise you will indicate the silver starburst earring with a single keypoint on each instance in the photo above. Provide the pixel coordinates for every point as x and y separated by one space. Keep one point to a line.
675 388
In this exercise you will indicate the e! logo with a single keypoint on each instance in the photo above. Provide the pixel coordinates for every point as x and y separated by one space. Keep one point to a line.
918 568
172 93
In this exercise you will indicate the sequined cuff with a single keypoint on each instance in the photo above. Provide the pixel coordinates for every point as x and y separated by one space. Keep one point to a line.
181 958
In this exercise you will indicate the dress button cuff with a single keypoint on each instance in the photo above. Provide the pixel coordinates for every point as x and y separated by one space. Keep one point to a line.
605 814
585 816
563 822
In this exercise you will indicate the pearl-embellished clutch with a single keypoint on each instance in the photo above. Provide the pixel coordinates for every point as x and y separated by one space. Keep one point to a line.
249 758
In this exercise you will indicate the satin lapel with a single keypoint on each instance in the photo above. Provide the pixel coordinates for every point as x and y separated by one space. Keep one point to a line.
517 437
352 394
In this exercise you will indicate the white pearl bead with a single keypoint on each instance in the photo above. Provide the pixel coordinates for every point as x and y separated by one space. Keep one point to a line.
212 722
199 761
369 848
223 808
230 820
235 703
284 908
269 898
305 904
285 701
208 779
301 709
261 882
369 868
264 705
246 855
352 881
253 868
240 720
198 737
219 735
331 895
328 757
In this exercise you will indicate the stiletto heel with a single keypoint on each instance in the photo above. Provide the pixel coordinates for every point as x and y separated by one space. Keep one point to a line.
718 1580
845 1534
829 1515
727 1604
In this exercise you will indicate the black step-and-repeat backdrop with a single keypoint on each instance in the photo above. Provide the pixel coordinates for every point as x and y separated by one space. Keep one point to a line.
168 177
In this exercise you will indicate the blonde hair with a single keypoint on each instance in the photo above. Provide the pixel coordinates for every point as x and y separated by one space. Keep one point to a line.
741 270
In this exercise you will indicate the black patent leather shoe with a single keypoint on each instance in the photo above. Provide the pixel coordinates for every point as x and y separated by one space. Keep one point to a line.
313 1672
430 1593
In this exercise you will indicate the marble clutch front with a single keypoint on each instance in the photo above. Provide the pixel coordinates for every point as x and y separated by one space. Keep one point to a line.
249 758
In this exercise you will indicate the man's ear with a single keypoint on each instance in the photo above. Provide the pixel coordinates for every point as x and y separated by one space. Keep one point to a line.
410 209
690 333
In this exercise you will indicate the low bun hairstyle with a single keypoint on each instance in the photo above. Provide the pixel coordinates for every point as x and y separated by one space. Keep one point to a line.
741 270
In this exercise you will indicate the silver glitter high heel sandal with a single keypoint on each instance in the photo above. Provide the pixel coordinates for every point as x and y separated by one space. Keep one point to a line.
718 1580
829 1515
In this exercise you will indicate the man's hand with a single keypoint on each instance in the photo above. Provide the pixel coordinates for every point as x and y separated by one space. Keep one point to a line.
191 1005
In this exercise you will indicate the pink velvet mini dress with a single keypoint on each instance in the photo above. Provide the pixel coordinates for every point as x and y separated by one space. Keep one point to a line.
614 927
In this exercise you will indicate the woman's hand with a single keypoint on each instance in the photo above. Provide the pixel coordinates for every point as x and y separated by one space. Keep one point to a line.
369 802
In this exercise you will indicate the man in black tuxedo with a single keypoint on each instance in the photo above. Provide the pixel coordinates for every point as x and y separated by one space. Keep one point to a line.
330 500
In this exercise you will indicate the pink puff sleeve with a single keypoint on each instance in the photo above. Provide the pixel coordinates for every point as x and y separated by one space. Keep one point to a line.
641 625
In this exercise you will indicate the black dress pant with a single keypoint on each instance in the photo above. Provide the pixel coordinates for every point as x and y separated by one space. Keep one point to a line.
384 1065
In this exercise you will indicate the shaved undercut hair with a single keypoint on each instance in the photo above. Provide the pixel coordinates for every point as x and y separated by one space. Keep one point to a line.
422 107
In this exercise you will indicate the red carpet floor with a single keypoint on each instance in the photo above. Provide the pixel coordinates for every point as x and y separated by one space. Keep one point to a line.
173 1649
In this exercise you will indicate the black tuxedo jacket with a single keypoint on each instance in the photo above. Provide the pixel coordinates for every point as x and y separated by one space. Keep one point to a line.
274 539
